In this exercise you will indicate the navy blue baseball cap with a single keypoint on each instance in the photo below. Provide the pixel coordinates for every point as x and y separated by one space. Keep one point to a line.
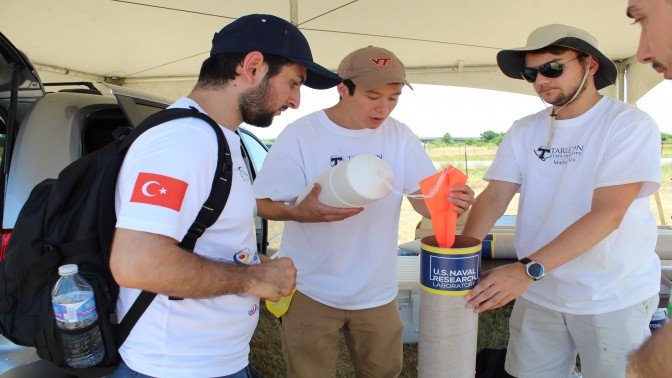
272 35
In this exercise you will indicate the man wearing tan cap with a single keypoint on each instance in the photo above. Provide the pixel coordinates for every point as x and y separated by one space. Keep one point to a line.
655 47
346 258
588 277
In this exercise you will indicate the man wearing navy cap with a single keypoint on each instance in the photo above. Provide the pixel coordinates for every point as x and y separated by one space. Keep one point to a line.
588 277
255 70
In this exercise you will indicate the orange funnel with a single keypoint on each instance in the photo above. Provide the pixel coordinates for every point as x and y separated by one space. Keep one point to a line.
444 218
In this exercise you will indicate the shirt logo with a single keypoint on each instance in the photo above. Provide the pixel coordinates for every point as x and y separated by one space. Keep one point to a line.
245 257
243 174
159 190
335 159
560 155
252 310
542 153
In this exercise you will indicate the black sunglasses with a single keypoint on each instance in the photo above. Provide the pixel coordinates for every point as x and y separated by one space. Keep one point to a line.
550 69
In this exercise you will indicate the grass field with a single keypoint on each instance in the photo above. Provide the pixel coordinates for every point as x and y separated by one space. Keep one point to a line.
266 347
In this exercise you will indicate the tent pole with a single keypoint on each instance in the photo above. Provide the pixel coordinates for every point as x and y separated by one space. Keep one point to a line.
294 12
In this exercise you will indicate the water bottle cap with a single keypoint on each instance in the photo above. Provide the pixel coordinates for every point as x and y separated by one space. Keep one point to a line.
68 269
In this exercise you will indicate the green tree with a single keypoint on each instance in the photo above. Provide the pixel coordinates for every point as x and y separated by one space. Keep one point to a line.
470 141
665 137
497 140
447 138
490 136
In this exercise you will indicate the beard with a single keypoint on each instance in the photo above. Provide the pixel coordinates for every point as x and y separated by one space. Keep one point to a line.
564 98
255 105
660 67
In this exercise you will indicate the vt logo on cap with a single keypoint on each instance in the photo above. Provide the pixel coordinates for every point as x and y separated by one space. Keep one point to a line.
381 62
386 68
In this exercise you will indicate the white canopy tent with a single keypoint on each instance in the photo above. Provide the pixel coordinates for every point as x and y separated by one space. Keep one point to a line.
158 45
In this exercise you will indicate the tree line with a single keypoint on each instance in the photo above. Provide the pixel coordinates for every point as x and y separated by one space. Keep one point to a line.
494 138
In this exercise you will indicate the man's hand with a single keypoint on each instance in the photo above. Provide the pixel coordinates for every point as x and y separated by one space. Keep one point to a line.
498 287
272 279
462 196
312 210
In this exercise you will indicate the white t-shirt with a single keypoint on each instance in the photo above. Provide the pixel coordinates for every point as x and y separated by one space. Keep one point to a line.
191 337
611 144
350 264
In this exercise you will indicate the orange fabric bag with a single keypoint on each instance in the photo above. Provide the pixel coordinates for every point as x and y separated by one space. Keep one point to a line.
444 218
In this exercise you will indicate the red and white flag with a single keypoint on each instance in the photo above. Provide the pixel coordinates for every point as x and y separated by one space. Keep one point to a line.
159 190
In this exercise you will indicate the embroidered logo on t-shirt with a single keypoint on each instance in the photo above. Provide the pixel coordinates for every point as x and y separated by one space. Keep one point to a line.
159 190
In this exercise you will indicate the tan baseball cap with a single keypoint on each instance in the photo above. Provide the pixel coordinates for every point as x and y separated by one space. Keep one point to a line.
372 67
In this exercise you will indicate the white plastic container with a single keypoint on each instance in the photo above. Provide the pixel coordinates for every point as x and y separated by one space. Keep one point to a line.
408 297
355 183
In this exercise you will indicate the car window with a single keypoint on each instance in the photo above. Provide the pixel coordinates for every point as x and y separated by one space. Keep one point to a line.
269 233
255 148
137 109
15 69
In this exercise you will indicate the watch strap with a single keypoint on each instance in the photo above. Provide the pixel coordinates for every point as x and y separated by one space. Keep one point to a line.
525 261
528 263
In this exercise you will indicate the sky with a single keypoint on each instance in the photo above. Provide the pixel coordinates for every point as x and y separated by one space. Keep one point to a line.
433 110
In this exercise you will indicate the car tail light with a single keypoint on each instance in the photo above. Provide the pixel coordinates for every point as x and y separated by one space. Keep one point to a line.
4 239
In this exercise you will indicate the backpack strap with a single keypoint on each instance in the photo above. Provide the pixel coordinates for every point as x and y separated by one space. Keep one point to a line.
210 211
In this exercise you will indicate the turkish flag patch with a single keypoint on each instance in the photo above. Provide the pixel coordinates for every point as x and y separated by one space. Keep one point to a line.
159 190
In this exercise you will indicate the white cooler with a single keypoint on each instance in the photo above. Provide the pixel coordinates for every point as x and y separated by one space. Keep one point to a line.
408 276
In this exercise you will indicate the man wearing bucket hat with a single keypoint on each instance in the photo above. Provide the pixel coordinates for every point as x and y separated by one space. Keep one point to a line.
655 47
346 258
256 67
588 277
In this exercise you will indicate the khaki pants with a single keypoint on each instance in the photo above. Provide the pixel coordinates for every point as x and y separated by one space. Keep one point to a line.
544 343
311 330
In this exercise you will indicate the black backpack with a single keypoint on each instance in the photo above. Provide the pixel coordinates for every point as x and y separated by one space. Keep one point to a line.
71 220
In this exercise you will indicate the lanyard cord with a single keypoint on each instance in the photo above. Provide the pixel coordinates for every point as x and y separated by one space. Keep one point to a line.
554 113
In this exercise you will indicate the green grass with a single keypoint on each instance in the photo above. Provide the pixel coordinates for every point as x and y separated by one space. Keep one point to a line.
458 152
666 151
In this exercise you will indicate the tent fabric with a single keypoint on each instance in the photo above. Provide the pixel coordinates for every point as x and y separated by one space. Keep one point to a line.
158 45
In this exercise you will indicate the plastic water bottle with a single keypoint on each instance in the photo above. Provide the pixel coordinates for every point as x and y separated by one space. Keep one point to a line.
75 309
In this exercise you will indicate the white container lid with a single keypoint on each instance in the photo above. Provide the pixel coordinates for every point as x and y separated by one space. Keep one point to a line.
366 175
68 269
361 180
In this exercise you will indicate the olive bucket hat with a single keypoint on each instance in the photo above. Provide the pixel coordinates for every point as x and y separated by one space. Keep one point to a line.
512 61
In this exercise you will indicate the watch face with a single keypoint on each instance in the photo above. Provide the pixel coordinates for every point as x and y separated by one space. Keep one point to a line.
536 270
